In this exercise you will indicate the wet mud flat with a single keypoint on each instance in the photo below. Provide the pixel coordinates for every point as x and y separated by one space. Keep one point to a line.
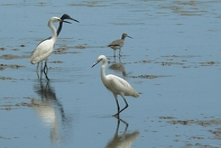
203 124
209 125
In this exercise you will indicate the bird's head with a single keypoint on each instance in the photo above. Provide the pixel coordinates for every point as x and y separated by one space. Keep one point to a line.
57 19
100 58
124 35
66 16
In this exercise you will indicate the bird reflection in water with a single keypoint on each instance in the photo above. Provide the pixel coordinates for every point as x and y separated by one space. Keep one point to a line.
125 140
49 109
118 67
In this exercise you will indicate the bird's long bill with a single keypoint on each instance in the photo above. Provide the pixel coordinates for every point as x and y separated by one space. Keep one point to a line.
129 36
74 20
95 64
66 22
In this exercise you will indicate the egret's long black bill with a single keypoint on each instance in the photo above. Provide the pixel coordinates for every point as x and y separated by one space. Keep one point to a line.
129 36
74 20
66 22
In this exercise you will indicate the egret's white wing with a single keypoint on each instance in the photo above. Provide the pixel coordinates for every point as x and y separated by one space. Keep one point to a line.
121 86
42 51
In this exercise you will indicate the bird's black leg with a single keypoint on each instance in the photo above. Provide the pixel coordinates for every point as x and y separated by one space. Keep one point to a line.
125 105
37 67
118 107
41 70
44 67
45 70
37 70
46 76
119 52
120 60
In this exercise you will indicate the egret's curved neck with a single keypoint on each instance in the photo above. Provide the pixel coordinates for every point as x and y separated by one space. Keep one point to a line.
103 74
53 30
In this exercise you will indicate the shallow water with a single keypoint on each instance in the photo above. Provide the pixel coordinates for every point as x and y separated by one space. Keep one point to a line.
173 61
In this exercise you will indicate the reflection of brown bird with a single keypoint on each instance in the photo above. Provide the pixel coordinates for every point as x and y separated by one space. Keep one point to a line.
118 44
119 67
122 141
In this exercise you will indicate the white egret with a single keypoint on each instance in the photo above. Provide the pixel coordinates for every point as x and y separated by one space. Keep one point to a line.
45 48
63 17
118 44
115 84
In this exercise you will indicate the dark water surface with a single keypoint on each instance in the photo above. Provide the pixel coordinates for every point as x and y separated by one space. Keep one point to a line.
173 61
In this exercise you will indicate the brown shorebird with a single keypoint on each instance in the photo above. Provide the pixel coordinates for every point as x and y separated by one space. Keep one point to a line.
118 44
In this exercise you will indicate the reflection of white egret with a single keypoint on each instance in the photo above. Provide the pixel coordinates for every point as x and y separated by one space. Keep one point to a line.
46 47
118 44
125 140
47 113
47 109
118 67
115 84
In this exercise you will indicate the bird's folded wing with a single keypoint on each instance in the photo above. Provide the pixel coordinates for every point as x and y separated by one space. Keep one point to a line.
120 85
42 52
116 43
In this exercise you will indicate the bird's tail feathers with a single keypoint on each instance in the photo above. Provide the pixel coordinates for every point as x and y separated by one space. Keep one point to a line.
33 61
136 95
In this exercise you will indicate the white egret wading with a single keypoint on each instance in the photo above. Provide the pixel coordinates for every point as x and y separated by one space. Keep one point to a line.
115 84
118 44
63 17
46 47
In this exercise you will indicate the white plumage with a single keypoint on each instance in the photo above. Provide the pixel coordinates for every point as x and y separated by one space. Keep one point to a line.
45 48
119 86
43 51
